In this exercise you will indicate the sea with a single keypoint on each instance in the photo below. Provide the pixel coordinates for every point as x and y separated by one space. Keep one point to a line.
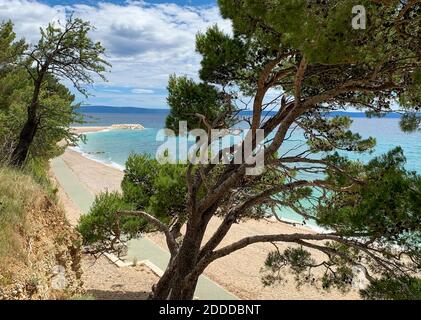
113 147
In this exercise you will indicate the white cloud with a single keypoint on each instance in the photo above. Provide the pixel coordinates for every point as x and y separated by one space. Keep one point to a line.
29 16
142 91
145 43
112 90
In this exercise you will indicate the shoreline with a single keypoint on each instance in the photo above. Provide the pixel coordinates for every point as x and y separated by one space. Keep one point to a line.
92 129
97 129
89 129
239 273
91 157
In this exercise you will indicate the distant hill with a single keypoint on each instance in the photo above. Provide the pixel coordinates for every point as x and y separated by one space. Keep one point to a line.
392 115
107 109
133 110
330 114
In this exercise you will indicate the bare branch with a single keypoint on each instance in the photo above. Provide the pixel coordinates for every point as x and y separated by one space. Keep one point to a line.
245 242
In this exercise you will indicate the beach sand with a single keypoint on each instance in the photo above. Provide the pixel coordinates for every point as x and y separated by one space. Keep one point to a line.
239 272
80 130
105 281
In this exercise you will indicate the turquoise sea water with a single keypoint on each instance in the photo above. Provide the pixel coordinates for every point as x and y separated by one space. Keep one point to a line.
114 147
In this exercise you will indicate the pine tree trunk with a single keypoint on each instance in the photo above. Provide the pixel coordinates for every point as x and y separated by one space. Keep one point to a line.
174 286
26 138
177 283
29 130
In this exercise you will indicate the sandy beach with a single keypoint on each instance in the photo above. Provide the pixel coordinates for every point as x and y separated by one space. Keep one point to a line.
240 272
80 130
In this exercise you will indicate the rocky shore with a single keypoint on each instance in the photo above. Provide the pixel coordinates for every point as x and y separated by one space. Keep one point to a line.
127 126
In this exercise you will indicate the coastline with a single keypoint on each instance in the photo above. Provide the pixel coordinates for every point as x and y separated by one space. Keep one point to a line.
111 164
89 129
239 272
94 129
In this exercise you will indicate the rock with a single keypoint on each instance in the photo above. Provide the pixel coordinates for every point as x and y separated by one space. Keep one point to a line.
127 126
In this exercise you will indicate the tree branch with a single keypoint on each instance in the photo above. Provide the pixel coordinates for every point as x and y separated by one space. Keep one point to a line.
270 238
171 243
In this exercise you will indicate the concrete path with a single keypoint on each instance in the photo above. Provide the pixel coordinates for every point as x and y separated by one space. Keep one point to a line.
68 180
139 249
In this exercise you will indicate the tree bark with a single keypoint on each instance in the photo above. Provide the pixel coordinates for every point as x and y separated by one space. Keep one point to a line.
30 128
176 284
174 288
180 279
26 138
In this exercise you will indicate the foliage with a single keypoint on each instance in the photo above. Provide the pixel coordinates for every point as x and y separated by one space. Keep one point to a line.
146 186
393 289
334 50
13 83
139 176
191 102
66 51
9 49
222 63
410 122
297 258
386 206
384 209
102 222
57 114
329 134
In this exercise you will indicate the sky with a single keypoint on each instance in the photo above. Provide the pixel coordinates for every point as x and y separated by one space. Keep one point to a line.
146 41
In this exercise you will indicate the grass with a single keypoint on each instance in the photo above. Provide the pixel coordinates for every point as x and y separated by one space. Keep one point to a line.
83 297
38 169
18 193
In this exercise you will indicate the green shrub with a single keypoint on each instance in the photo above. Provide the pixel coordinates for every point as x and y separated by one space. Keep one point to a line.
103 225
160 189
138 182
157 189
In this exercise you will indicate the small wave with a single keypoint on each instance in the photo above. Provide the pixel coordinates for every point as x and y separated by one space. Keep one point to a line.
108 163
299 223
